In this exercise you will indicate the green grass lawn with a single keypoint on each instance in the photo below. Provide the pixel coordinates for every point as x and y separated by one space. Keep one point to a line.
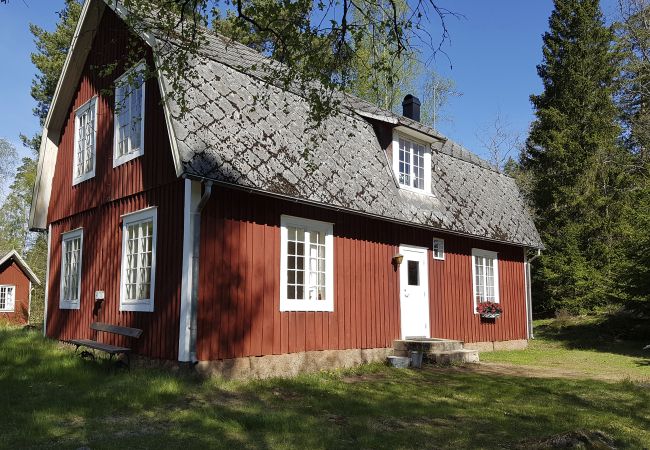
594 347
51 398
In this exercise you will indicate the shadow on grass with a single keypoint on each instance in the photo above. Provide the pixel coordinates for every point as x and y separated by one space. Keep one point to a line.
51 398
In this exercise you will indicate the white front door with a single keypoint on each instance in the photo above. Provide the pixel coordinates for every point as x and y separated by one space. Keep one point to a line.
414 292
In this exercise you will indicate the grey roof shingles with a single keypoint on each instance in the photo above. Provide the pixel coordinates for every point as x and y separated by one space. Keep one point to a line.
229 135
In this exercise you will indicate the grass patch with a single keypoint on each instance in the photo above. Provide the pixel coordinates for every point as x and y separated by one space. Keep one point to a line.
51 398
584 346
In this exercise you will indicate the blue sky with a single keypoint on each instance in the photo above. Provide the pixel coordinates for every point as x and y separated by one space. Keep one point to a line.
492 54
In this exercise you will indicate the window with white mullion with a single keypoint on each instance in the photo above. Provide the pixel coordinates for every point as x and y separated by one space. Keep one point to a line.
412 164
71 259
129 115
486 276
7 298
139 258
85 141
306 266
417 152
404 163
138 261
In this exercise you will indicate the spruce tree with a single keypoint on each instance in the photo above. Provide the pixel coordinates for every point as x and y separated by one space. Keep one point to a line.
575 161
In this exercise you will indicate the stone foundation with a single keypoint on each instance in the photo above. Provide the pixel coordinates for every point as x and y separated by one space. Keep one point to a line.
291 364
518 344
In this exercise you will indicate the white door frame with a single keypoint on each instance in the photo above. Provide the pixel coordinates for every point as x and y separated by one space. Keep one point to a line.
424 284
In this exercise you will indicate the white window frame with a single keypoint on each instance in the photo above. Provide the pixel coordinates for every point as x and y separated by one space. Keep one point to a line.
485 254
327 228
13 298
90 104
427 162
68 236
143 305
120 83
438 247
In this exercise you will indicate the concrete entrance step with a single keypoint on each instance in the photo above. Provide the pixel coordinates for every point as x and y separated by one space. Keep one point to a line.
437 351
463 356
427 345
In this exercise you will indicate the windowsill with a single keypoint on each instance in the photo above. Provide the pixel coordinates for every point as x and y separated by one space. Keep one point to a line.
416 191
126 158
7 310
84 177
69 305
439 259
136 307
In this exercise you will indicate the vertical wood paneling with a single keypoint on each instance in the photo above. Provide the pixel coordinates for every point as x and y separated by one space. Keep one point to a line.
11 274
101 264
153 169
366 311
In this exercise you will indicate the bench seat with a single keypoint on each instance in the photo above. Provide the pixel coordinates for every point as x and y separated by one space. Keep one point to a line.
108 348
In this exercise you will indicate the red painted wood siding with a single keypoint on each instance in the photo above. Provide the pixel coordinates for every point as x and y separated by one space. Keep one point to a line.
154 168
100 270
11 274
97 204
239 306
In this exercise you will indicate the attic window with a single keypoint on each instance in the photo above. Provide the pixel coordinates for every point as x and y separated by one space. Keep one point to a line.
412 163
129 115
85 136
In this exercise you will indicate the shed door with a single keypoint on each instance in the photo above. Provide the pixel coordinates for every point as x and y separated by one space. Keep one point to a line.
414 292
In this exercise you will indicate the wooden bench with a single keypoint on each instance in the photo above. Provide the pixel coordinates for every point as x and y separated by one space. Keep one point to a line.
112 350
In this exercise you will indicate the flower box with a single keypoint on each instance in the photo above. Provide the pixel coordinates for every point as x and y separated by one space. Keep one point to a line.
490 315
489 310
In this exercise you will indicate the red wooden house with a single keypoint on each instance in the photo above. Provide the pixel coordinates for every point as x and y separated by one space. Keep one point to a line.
16 280
214 233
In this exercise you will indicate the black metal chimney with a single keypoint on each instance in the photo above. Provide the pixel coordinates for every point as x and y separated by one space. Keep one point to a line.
411 107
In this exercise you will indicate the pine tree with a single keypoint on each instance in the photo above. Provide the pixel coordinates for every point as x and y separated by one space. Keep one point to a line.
576 163
51 50
634 99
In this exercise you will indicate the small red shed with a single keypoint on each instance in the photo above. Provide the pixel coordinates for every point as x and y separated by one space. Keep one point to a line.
16 280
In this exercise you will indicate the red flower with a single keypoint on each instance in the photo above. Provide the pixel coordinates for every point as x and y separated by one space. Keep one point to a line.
489 308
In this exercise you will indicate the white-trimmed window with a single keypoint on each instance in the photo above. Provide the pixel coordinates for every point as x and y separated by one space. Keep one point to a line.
129 115
485 275
71 259
307 265
438 249
7 298
138 278
412 163
85 138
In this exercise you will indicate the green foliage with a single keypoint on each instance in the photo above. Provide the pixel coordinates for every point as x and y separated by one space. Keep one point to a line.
577 167
51 50
14 214
7 163
52 398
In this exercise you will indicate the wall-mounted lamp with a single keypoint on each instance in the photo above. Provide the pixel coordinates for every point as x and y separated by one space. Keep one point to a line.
397 260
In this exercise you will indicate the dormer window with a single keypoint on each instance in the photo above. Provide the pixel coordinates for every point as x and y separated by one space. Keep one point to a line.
85 135
129 115
412 163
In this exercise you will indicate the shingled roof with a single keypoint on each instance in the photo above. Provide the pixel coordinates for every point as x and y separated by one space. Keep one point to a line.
230 136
